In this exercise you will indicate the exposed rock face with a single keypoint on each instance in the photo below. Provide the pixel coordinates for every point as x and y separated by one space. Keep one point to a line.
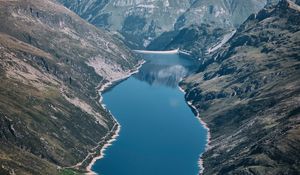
139 21
249 95
49 70
196 40
142 21
224 13
206 24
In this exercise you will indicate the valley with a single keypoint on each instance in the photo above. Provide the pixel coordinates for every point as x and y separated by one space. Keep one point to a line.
157 128
73 78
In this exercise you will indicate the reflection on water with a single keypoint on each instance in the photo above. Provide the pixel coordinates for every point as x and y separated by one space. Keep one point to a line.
159 133
167 71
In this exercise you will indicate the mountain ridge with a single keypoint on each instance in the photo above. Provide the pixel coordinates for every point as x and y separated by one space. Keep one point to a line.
141 22
52 64
248 94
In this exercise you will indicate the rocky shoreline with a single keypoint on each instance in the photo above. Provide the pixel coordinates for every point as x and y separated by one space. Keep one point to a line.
111 136
249 97
197 115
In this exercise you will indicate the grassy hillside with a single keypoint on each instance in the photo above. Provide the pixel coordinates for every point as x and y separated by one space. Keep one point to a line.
249 95
51 63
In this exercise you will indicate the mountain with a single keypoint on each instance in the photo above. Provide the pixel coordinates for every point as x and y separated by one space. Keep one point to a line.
224 13
52 64
196 40
248 94
138 21
206 25
202 36
141 21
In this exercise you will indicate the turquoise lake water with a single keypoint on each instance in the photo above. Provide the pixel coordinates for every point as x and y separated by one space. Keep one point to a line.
159 133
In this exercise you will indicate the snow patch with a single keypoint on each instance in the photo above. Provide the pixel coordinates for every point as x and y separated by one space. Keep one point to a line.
220 44
294 6
220 12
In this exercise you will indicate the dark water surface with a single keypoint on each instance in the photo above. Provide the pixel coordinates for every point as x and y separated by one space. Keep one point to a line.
159 133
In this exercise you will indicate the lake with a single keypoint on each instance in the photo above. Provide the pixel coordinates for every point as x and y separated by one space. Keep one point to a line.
159 133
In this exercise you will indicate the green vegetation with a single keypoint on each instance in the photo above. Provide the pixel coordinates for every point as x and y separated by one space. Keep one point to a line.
248 93
66 171
48 96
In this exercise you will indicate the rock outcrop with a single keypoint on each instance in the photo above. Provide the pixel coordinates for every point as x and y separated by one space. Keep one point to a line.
248 93
51 64
142 21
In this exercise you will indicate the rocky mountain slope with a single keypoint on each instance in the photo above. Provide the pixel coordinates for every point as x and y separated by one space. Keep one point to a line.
195 40
203 37
51 63
224 13
249 96
142 21
139 21
206 24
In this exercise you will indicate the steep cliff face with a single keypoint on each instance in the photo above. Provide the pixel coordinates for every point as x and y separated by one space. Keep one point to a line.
197 40
51 63
249 96
206 25
224 13
139 21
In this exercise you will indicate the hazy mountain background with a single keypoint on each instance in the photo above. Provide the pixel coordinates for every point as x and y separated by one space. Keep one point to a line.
141 21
